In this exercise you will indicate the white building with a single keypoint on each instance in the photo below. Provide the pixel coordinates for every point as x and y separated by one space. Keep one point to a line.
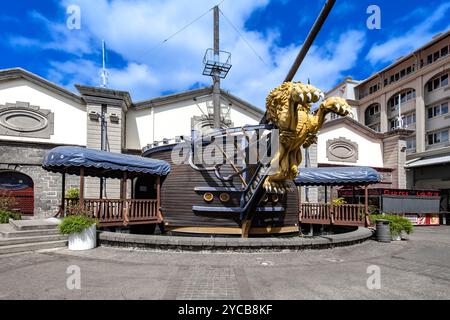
37 115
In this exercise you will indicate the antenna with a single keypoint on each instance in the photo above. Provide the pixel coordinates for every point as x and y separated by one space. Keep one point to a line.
104 72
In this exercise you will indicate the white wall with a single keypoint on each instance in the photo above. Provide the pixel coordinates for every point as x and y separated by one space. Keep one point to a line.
168 121
69 117
370 151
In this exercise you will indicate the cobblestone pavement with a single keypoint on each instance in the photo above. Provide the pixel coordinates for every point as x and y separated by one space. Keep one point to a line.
414 269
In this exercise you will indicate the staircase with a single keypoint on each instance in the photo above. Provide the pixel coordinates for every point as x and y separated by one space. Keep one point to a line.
30 235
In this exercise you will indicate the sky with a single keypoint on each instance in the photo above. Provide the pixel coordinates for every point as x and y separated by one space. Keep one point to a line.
263 37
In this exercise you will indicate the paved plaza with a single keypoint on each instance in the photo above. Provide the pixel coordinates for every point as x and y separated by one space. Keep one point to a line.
414 269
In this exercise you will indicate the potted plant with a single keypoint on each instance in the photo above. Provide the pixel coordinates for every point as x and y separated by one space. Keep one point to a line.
82 231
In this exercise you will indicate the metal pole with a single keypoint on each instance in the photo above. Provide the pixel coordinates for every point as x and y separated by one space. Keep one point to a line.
216 79
400 120
63 194
310 39
103 146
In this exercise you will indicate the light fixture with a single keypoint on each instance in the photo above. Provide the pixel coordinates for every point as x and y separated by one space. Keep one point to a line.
93 115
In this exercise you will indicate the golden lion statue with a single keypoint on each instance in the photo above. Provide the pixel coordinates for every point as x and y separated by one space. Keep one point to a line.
289 109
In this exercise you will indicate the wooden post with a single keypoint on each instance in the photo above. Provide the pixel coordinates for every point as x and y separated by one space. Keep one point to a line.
124 199
331 206
366 205
82 187
63 194
158 199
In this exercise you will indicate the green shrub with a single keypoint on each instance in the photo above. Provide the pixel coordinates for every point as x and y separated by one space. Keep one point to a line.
75 224
397 223
6 202
73 193
339 201
6 215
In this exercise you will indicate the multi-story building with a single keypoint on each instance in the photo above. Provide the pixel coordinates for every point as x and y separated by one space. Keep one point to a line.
412 93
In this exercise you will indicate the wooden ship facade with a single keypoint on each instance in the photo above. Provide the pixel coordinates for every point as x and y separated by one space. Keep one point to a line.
227 197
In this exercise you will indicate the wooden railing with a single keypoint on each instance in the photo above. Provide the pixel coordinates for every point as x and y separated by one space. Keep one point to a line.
142 211
117 212
321 213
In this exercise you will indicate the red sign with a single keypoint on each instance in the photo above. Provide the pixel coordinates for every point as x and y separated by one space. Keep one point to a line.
407 193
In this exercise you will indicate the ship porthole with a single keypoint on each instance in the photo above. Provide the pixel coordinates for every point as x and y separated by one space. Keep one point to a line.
208 197
275 198
224 197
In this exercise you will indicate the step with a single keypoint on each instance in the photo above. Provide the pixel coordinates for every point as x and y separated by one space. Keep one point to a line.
216 189
23 240
234 209
27 233
35 224
32 246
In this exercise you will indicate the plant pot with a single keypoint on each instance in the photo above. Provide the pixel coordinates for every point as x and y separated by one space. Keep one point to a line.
85 240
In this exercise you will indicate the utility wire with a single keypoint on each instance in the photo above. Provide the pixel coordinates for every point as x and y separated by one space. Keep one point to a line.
177 32
243 38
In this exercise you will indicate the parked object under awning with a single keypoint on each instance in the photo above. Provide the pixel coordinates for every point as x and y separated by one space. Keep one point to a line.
428 161
332 176
97 163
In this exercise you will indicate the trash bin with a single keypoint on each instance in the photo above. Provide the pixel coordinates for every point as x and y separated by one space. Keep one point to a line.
383 233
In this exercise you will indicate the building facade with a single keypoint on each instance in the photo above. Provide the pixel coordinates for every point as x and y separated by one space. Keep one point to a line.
413 94
37 115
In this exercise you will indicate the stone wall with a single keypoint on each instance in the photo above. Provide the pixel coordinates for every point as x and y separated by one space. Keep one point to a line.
27 159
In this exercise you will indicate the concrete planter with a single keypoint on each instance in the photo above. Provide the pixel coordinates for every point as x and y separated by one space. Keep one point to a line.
85 240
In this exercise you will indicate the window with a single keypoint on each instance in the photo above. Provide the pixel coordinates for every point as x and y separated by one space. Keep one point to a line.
408 70
438 137
385 82
402 73
409 119
411 144
436 55
438 82
394 124
429 59
373 110
444 80
444 51
404 96
392 79
397 76
438 110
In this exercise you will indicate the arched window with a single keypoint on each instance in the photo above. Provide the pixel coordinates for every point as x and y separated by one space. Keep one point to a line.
437 82
402 96
372 114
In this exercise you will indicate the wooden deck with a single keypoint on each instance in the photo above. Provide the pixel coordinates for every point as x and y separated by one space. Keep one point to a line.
342 215
118 212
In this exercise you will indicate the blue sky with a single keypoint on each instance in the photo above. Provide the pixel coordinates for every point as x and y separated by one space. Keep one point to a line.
34 36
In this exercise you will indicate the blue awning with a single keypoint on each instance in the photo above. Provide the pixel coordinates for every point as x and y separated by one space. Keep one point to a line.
332 176
99 163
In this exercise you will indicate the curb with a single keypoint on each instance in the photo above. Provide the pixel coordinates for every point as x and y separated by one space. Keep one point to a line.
178 243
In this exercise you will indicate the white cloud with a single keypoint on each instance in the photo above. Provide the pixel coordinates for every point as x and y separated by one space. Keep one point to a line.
135 29
410 40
